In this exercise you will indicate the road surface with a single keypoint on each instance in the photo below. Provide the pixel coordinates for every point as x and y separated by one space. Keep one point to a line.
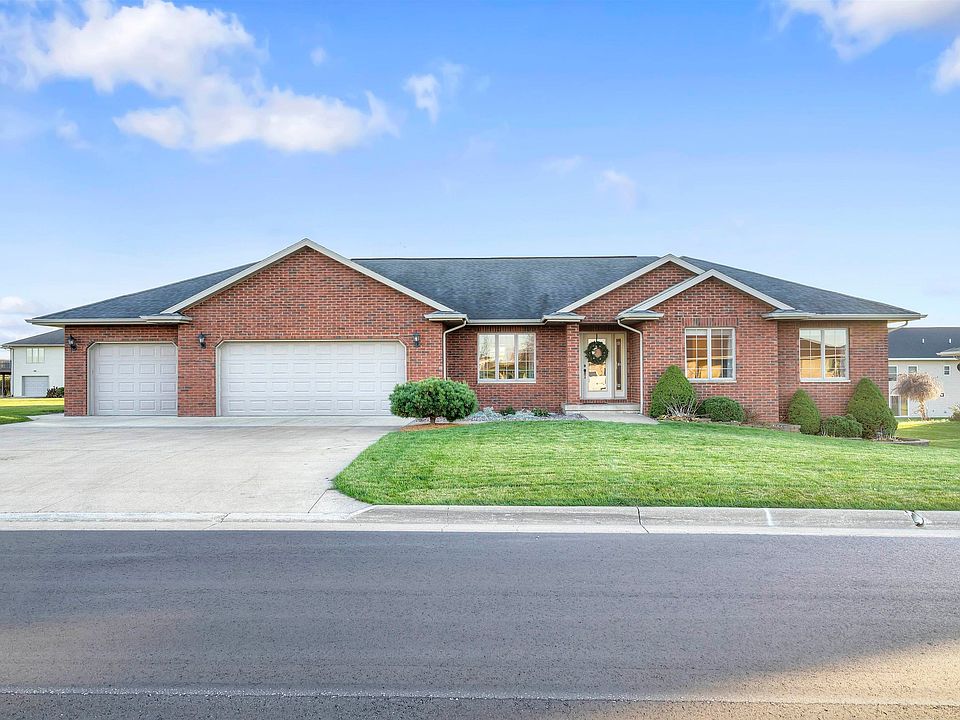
358 625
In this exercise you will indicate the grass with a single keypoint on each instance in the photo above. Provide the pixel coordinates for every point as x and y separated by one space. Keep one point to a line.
17 409
595 463
940 433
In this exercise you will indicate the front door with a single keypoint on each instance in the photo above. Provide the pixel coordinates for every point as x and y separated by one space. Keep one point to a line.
602 366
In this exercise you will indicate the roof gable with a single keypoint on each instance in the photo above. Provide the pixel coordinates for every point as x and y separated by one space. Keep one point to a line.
670 292
277 257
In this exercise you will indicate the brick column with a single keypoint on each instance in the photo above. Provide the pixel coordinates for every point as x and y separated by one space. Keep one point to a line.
572 351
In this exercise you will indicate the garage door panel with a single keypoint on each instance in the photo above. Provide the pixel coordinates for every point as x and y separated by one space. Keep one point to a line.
309 378
134 379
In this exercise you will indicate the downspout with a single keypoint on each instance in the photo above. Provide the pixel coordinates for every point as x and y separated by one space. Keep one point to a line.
444 343
891 329
640 333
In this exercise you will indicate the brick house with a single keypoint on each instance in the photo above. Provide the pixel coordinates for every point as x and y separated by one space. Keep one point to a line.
307 331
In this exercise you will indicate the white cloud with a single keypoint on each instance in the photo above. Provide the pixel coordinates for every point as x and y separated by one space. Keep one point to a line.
948 69
13 313
563 165
189 57
621 186
427 89
426 94
318 56
858 26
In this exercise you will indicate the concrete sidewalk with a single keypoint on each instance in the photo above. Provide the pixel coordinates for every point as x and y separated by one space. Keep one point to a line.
352 516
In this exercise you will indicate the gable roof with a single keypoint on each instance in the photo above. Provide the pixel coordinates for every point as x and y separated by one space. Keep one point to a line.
494 288
917 343
48 339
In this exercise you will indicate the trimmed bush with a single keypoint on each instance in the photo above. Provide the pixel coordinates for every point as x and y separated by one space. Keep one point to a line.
433 398
671 391
723 409
55 392
845 426
869 406
803 412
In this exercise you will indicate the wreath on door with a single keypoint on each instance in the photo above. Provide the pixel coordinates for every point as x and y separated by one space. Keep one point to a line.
597 352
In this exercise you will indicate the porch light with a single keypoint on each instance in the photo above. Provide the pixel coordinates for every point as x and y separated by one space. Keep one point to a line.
72 342
416 339
202 339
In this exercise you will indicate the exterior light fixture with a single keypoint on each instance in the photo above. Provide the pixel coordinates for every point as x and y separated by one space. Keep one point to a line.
72 342
416 339
202 339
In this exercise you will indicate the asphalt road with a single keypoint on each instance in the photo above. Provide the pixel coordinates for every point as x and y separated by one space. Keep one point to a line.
359 625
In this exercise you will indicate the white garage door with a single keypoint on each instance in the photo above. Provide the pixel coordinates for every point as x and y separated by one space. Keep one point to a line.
35 386
309 378
134 379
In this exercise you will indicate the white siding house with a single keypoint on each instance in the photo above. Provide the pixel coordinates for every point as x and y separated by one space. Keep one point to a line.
934 351
36 364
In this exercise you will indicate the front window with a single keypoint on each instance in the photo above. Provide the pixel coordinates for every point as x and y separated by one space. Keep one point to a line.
899 406
35 355
912 369
823 354
892 373
506 357
946 369
710 354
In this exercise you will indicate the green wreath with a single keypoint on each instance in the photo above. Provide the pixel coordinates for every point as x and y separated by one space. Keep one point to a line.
597 352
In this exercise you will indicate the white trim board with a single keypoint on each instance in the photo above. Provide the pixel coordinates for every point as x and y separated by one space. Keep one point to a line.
278 256
691 282
632 276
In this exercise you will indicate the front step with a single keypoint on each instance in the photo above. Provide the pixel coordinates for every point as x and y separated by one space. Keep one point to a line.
601 407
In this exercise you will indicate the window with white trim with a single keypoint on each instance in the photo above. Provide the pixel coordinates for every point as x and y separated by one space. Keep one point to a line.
506 357
35 355
892 373
823 354
946 369
912 369
710 354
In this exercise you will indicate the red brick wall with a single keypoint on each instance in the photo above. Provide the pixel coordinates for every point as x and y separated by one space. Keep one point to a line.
868 358
547 391
305 296
75 361
715 304
606 308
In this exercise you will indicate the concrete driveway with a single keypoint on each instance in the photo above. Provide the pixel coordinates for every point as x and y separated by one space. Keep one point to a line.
181 465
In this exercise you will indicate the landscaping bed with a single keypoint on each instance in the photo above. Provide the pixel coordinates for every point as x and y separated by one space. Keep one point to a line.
694 464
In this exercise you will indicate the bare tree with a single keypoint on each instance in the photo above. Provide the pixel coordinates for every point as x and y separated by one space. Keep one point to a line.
918 387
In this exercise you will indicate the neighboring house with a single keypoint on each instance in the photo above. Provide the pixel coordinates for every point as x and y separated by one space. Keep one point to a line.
36 364
307 331
931 350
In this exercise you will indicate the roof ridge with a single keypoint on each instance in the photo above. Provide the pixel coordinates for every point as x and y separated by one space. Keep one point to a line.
515 257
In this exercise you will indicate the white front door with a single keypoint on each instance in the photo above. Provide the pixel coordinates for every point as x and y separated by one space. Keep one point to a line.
606 379
309 378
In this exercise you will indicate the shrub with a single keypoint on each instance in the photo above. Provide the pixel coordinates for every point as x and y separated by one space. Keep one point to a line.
672 392
540 412
723 409
845 426
508 410
870 408
803 412
55 392
433 398
955 413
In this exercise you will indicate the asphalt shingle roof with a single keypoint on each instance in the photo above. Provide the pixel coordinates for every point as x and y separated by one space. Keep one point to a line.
923 342
515 288
53 337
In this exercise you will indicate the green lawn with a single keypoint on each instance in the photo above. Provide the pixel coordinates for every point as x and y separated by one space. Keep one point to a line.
940 433
17 409
595 463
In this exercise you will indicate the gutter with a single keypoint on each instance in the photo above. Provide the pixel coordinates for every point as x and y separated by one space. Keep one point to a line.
141 320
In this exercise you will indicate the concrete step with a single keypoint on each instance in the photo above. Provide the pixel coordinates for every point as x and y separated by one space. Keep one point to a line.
602 407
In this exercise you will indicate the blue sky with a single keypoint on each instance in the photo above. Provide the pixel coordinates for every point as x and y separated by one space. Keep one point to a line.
813 141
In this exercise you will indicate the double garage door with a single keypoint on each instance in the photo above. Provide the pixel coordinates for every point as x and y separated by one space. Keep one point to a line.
309 378
257 378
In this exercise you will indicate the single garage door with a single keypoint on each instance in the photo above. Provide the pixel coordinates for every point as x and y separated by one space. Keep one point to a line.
35 386
309 378
133 379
